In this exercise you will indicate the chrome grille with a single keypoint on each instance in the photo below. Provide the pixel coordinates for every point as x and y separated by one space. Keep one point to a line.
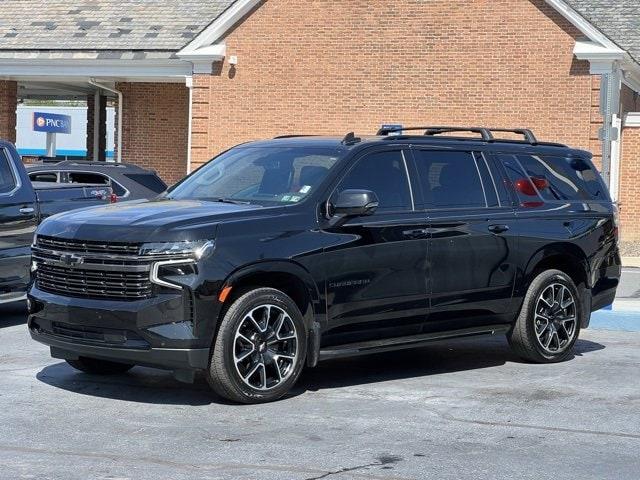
92 269
87 247
93 283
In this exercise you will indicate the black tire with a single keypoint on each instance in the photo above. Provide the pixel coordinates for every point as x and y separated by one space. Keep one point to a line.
99 367
523 337
224 373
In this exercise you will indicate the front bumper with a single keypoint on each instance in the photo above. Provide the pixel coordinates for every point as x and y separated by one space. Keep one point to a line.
157 332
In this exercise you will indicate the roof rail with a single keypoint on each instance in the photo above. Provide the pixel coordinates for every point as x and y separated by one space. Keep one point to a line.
485 133
293 135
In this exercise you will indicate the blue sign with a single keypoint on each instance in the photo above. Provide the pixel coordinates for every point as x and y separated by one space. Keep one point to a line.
51 123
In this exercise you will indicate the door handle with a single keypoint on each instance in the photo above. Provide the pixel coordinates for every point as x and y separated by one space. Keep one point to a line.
27 210
498 228
417 233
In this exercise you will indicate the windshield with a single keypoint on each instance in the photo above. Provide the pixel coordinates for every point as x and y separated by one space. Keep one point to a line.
263 175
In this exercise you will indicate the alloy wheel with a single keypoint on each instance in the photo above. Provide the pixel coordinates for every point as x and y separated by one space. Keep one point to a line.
555 318
265 347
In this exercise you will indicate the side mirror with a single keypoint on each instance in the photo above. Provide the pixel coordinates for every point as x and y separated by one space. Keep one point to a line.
355 203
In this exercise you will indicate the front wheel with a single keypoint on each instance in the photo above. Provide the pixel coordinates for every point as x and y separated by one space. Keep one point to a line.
260 348
549 321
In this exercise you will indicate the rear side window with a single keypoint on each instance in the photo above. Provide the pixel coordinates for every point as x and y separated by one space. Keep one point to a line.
384 173
49 177
450 179
148 180
561 178
93 178
7 180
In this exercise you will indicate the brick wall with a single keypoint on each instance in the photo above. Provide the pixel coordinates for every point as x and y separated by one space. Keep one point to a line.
330 67
630 170
8 106
155 127
630 185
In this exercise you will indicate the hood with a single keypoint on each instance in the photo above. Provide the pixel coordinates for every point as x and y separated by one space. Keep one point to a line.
142 221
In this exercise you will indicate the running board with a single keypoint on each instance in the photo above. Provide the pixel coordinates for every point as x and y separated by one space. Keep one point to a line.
399 343
12 297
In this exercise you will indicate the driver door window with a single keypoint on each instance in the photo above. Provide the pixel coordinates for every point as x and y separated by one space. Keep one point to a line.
385 174
7 180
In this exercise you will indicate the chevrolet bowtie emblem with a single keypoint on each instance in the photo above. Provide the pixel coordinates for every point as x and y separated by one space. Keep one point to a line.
71 260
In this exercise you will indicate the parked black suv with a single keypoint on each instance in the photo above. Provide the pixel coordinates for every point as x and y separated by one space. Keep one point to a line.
281 253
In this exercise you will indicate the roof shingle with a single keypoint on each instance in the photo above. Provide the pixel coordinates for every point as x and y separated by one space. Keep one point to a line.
166 25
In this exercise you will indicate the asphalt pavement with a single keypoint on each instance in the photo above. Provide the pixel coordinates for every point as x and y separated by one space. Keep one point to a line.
463 409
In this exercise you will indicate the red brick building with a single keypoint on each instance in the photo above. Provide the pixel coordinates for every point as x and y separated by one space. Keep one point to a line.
192 78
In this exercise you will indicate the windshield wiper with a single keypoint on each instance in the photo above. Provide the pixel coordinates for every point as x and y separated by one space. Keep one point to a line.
227 200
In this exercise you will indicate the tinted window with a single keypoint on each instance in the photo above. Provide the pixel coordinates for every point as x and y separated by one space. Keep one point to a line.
49 177
385 174
118 189
7 181
523 186
148 180
264 175
450 179
93 178
561 178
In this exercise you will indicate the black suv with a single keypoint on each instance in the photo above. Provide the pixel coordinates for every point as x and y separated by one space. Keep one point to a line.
281 253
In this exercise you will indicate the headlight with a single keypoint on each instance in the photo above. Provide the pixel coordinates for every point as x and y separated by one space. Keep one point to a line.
196 249
173 273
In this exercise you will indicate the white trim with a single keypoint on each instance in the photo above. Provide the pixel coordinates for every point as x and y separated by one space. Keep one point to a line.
171 69
582 24
220 26
632 120
203 58
602 60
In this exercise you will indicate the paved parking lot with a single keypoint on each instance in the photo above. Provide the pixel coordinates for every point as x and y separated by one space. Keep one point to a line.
457 409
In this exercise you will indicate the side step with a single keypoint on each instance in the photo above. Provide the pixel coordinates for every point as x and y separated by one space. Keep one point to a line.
399 343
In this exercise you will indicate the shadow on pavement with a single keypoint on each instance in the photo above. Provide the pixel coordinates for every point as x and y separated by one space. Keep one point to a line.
13 314
146 385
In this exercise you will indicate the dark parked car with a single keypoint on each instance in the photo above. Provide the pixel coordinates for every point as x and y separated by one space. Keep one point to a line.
129 182
281 253
22 206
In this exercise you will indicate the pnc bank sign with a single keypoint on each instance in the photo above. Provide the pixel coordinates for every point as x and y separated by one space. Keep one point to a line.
51 123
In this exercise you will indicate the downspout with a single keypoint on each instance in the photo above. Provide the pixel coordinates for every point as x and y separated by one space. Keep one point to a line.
189 84
119 93
610 133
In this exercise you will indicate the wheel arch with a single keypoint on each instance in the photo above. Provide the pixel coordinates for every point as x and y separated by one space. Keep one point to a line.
565 257
292 279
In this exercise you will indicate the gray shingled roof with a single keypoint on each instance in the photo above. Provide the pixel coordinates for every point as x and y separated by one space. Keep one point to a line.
619 20
165 25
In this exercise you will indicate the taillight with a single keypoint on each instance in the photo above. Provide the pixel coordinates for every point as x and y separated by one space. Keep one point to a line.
113 198
540 183
526 187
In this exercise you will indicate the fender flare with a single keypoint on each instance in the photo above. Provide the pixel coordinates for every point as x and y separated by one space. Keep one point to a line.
314 319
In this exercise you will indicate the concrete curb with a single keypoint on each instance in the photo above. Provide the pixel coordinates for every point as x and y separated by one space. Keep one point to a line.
631 262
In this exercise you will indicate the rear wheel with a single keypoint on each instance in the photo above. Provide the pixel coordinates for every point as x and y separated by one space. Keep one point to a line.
260 348
99 367
549 321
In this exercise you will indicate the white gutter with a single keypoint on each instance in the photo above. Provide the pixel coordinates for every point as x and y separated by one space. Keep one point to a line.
119 93
189 83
